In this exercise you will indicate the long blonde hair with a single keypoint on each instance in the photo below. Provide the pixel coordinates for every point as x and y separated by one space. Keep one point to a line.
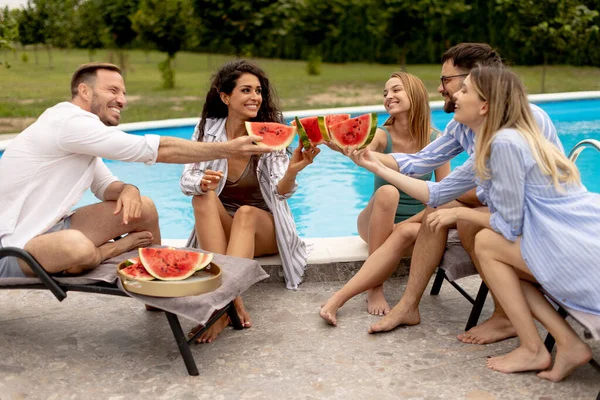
508 107
419 115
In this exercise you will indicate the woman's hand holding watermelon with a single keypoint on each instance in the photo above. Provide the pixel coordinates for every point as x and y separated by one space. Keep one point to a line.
210 180
301 158
364 158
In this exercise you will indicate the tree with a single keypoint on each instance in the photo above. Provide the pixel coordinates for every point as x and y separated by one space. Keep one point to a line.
9 32
90 27
164 23
409 20
315 33
117 17
549 27
237 24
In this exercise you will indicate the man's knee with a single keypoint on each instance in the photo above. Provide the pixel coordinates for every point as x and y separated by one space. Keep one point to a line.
73 247
149 211
386 197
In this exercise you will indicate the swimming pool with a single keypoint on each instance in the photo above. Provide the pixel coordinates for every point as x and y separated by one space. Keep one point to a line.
332 191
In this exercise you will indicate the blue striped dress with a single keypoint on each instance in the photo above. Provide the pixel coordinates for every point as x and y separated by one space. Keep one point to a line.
560 230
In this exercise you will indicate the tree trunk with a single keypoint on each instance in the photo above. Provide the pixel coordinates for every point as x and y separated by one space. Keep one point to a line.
35 55
91 54
123 62
403 52
50 59
543 80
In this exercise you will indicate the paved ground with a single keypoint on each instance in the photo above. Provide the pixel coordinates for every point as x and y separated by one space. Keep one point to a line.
99 347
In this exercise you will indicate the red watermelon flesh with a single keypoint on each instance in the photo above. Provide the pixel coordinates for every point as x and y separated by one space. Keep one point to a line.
315 130
357 131
170 264
333 119
275 136
135 270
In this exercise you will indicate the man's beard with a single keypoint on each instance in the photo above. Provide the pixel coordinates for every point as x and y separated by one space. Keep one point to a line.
449 104
96 108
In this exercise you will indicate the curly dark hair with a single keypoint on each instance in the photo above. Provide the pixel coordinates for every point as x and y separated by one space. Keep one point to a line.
225 80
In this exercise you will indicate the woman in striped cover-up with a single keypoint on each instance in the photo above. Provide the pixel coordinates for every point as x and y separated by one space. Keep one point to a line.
240 203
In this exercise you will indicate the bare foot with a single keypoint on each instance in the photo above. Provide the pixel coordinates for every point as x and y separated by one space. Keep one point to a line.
396 317
521 359
376 303
566 361
493 330
242 313
211 333
329 310
132 241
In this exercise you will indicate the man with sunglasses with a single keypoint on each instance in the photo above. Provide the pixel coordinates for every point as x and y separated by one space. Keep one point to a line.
458 191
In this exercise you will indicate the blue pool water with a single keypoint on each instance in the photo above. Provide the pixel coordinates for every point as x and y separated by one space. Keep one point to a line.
332 191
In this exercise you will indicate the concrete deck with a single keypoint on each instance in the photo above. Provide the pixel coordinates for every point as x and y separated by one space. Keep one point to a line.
103 347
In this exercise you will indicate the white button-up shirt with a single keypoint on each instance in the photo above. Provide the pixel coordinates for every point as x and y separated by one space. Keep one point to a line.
49 166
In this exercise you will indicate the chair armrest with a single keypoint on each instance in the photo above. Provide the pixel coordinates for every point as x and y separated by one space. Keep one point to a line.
37 269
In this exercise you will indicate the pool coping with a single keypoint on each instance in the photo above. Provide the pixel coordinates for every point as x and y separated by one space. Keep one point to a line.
435 105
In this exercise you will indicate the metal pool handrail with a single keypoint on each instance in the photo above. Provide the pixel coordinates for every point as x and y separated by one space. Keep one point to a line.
579 147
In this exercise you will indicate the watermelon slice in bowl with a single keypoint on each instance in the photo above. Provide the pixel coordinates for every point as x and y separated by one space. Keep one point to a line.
169 264
358 131
275 136
135 270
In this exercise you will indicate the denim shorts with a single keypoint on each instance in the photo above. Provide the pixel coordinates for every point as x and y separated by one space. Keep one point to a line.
9 266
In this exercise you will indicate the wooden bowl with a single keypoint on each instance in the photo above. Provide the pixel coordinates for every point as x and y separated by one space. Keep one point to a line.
203 281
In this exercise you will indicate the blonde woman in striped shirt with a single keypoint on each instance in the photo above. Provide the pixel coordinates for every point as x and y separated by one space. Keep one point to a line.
239 202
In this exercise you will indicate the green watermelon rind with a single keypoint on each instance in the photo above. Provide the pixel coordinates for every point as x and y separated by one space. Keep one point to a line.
281 146
368 138
152 270
302 134
323 128
372 131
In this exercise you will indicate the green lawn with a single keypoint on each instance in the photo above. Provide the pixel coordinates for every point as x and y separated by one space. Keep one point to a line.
26 89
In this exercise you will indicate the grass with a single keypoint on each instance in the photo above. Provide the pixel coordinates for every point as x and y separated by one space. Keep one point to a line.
27 89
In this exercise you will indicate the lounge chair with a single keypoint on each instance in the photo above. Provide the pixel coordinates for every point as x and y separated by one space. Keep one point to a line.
238 275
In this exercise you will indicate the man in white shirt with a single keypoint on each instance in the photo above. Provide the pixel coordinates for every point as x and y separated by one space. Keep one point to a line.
49 166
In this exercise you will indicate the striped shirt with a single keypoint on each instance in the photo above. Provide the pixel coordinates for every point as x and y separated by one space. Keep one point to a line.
456 139
271 168
560 235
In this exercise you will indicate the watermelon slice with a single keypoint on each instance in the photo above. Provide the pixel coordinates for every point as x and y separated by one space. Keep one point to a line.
333 119
135 270
275 136
171 264
311 130
358 131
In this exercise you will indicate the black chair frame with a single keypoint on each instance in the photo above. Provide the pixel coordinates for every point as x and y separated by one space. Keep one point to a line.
478 302
59 290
